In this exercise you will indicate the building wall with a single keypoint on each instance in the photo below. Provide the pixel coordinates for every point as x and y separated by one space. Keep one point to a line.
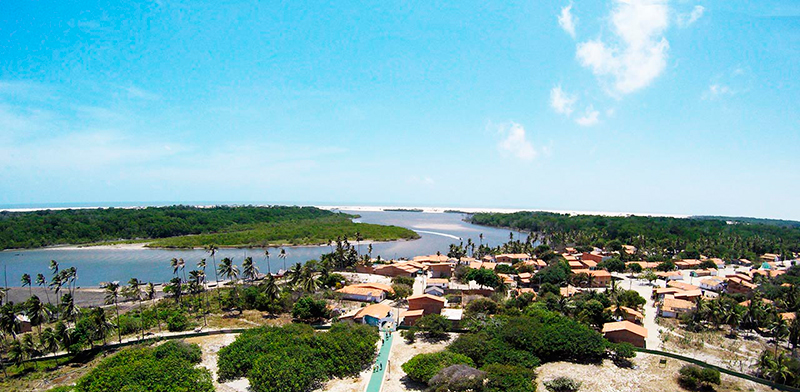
626 336
428 306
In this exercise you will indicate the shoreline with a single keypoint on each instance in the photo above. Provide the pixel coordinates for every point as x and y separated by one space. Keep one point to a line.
143 246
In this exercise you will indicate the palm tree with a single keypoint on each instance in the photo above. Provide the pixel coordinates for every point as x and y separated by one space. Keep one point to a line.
227 268
69 311
55 284
249 269
41 281
359 238
176 264
295 274
270 288
266 256
100 324
212 249
26 281
282 256
309 283
112 296
48 341
8 321
36 311
202 265
198 285
133 291
150 293
54 266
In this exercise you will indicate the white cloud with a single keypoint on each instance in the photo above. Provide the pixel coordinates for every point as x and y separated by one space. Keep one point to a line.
561 101
567 21
717 90
515 142
136 92
638 52
686 20
589 118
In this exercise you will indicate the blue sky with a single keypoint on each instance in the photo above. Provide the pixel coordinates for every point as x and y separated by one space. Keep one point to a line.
684 107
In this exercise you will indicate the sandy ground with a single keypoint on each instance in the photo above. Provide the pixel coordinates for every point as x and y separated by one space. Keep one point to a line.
396 379
210 345
650 376
353 384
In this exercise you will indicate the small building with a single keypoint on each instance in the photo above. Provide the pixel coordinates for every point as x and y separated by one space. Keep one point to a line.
626 313
482 264
406 268
625 331
737 285
410 317
434 290
712 284
430 304
660 292
671 275
703 272
24 323
524 278
366 292
375 315
453 315
770 257
600 278
672 307
568 291
512 258
431 259
439 282
689 295
682 285
594 256
440 270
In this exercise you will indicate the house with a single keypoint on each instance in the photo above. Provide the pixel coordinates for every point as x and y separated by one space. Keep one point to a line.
703 272
434 290
524 278
507 279
23 323
454 315
689 295
440 270
770 257
600 278
511 258
629 249
568 291
672 307
625 331
430 259
405 268
375 315
482 264
688 263
671 275
594 256
713 284
644 264
682 285
438 282
737 285
430 304
571 251
626 313
410 317
538 264
719 262
366 292
661 292
765 301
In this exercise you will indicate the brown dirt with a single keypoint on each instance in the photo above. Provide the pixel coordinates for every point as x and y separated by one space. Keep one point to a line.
396 379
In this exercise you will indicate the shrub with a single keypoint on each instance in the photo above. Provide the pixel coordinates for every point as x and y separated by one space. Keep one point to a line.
562 384
408 281
141 369
177 322
473 345
410 335
179 348
434 326
402 291
457 378
666 266
422 367
695 377
309 309
502 378
482 305
295 358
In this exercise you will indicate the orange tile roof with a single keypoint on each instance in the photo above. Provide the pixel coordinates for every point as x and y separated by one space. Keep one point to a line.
682 285
632 312
672 304
377 311
426 296
625 326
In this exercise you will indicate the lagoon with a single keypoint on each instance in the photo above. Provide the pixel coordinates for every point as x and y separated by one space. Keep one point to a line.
96 265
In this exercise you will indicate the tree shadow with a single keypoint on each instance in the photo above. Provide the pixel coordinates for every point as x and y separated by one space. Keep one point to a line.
411 385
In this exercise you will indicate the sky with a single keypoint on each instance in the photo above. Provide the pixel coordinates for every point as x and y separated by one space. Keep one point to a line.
641 106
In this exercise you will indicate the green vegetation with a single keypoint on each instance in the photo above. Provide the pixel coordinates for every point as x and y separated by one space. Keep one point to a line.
694 377
654 237
165 368
422 367
562 384
295 358
183 226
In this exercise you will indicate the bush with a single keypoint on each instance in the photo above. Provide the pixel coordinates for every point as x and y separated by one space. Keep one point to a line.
422 367
695 377
562 384
457 378
408 281
188 352
502 378
482 305
402 291
666 266
147 369
434 326
295 358
177 322
309 309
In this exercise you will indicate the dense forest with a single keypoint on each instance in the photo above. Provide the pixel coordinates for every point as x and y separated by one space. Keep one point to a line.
654 236
262 224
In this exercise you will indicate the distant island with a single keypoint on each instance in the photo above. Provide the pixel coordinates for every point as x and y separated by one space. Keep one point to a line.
188 227
403 209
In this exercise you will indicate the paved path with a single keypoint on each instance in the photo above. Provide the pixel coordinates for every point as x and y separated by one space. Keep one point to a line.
376 380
